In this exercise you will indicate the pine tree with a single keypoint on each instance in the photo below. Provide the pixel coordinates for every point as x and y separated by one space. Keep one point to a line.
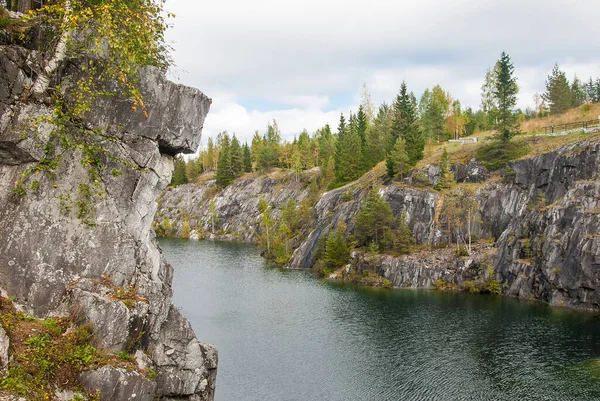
224 175
405 125
577 92
558 91
446 175
362 124
347 165
213 215
247 158
505 94
237 161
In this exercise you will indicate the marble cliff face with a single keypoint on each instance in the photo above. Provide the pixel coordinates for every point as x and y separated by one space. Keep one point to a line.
51 262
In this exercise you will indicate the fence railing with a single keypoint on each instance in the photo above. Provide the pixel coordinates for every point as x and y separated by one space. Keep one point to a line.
551 129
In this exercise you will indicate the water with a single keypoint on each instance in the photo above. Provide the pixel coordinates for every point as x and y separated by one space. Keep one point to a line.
284 335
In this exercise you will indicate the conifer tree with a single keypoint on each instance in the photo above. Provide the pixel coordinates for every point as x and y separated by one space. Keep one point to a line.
377 137
505 94
362 125
296 163
373 219
405 125
237 162
577 92
337 252
210 155
326 143
400 159
247 158
404 236
304 149
558 91
348 160
224 175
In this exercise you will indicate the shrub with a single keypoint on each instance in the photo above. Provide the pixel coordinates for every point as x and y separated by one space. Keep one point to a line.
496 155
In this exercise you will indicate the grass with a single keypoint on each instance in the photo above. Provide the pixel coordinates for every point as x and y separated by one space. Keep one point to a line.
585 112
50 354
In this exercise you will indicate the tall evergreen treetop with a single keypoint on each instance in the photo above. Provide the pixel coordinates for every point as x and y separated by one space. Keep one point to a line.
505 93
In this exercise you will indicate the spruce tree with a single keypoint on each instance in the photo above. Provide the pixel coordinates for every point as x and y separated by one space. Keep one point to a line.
505 94
362 124
247 158
237 161
405 125
373 219
224 175
577 92
337 252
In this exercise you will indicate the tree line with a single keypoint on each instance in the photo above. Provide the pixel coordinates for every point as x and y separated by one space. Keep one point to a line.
396 132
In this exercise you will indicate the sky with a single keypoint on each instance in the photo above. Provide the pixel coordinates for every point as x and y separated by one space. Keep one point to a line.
303 63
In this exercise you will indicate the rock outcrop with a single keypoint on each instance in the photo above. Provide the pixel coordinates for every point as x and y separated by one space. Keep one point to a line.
237 215
111 272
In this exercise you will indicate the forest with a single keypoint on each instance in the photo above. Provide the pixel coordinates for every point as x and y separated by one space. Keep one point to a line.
396 132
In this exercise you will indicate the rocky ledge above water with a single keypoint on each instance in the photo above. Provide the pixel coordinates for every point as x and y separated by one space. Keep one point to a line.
110 273
540 215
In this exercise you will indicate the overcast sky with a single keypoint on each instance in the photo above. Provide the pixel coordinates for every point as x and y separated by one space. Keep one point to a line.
304 62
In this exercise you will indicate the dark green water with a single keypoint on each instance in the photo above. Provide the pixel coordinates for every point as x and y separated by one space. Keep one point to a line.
284 335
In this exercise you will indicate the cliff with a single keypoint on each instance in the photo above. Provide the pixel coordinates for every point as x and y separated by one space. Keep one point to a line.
106 269
537 226
236 213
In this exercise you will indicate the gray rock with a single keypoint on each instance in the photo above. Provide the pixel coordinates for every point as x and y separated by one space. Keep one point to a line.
118 384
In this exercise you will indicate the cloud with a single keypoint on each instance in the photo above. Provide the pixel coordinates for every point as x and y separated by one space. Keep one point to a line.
304 62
